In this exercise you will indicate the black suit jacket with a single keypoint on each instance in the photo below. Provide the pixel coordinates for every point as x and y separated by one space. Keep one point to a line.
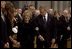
48 33
64 26
20 27
3 31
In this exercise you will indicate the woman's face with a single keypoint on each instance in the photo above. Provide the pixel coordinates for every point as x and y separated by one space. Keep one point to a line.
3 4
27 18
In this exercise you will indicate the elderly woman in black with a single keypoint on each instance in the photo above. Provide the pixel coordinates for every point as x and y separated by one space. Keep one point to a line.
26 37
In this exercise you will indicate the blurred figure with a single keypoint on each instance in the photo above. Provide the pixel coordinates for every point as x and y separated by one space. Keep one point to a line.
37 12
11 20
57 26
15 44
27 16
56 15
65 27
51 12
70 10
20 13
27 36
45 33
32 9
3 33
10 9
17 27
25 7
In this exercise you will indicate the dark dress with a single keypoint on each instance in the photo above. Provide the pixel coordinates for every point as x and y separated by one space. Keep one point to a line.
25 34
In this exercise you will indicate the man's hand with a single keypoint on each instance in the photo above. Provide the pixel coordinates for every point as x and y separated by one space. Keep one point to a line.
17 45
37 29
53 41
41 38
15 42
54 45
68 28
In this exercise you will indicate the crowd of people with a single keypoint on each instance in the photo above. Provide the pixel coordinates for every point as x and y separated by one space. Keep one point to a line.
19 27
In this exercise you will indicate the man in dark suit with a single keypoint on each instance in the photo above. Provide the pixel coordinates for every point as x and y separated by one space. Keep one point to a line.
3 34
45 25
20 27
65 29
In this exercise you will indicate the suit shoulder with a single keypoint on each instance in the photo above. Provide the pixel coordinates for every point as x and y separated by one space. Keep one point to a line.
61 17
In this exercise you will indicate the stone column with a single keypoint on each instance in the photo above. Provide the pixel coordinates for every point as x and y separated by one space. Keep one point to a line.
55 5
16 3
47 4
21 4
66 4
36 4
60 6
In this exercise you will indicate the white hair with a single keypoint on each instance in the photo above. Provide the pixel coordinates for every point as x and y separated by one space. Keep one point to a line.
37 12
65 11
50 9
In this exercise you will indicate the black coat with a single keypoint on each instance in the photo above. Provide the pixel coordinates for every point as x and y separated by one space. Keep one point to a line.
3 31
25 33
64 24
57 29
20 27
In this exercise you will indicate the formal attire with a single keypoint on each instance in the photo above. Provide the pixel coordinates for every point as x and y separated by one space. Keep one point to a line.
20 28
3 33
25 34
64 24
46 29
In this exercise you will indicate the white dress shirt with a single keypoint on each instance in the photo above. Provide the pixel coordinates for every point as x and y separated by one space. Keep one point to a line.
46 16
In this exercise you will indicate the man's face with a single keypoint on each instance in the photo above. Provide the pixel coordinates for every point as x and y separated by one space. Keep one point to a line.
19 11
65 13
37 12
42 12
50 11
3 4
32 8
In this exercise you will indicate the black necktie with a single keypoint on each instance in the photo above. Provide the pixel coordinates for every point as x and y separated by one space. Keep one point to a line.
44 19
44 22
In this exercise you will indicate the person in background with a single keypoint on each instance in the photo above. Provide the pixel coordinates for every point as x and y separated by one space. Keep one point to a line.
32 9
37 12
57 26
20 13
45 32
51 12
27 36
11 20
65 27
4 43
